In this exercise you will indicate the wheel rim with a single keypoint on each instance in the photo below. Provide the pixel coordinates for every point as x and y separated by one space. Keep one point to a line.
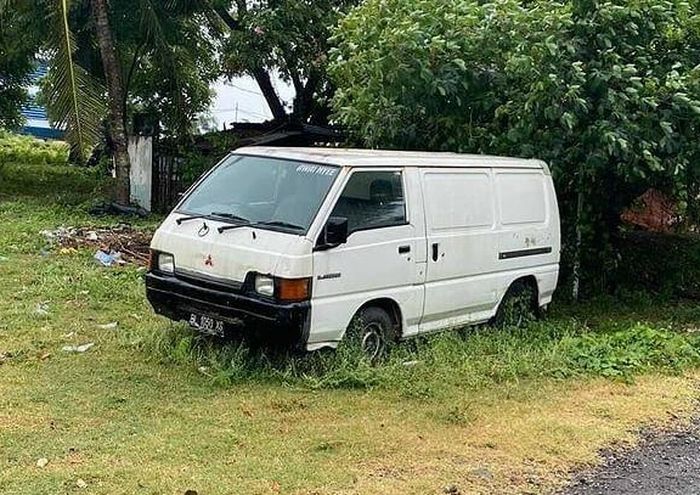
372 343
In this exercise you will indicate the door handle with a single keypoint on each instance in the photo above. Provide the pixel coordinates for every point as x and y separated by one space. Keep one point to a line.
435 251
404 249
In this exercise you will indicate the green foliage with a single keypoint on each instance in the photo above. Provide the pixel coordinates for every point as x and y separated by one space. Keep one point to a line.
165 49
639 348
26 150
608 93
169 50
16 55
473 358
75 99
662 264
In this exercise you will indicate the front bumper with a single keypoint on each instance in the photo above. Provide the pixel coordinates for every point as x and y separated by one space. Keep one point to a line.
176 299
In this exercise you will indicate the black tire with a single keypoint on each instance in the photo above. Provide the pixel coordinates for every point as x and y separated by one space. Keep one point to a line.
518 307
371 333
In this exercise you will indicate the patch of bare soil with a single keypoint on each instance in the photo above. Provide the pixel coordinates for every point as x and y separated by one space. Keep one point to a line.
127 243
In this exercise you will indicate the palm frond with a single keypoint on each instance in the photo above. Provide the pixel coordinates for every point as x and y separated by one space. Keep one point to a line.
75 99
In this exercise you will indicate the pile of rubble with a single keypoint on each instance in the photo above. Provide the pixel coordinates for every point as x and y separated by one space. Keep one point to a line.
115 245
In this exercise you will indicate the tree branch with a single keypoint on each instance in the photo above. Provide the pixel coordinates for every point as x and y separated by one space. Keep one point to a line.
259 73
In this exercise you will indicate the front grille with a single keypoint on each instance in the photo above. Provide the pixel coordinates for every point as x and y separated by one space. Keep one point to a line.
204 281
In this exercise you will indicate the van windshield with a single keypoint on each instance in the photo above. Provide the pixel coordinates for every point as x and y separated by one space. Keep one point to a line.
268 192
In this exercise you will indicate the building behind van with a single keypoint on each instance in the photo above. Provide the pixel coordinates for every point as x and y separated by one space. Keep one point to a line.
318 245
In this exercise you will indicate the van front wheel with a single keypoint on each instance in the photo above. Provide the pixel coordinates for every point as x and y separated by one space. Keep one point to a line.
371 333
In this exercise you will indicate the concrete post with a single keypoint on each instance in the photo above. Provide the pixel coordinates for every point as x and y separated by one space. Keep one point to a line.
141 156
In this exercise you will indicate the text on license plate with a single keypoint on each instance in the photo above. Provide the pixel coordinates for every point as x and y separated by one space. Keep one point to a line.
206 324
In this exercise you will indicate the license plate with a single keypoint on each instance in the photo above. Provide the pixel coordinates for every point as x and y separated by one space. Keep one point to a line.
207 324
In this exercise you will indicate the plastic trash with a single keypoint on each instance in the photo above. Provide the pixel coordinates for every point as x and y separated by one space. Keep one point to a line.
78 348
109 259
108 326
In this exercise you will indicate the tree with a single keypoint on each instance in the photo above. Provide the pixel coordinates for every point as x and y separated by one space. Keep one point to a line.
16 56
289 38
607 92
90 43
116 96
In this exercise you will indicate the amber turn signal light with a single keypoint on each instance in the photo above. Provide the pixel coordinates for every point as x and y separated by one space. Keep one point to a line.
293 289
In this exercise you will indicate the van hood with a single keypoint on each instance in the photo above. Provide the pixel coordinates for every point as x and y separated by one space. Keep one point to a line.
200 249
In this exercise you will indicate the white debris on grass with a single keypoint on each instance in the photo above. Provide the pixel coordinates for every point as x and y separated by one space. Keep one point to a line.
78 348
42 309
41 463
108 326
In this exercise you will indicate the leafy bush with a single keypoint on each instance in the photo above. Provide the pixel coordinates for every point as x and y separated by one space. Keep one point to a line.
607 92
622 353
666 264
26 150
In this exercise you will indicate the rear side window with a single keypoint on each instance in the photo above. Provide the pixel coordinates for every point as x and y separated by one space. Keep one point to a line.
521 197
458 200
372 200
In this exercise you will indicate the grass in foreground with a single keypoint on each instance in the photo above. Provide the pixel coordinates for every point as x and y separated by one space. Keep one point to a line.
154 409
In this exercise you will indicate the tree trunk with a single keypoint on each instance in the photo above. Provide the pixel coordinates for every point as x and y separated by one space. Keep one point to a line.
115 90
273 100
261 76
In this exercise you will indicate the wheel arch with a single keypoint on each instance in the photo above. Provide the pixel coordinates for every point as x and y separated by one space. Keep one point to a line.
390 306
528 280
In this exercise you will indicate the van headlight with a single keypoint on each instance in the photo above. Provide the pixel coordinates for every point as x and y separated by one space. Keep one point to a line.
265 285
165 263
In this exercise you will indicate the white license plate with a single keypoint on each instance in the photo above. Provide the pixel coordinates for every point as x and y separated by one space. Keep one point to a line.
207 324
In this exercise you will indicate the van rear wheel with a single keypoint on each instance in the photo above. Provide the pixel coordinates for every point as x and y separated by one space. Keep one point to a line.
518 306
371 333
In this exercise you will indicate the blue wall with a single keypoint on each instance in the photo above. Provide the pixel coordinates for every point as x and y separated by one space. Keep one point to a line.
37 120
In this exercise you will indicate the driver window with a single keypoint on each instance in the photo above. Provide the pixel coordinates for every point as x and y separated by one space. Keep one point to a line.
372 200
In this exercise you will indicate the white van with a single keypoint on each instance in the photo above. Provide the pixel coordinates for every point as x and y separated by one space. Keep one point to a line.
303 241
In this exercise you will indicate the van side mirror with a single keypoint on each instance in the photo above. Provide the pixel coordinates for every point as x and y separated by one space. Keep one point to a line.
333 234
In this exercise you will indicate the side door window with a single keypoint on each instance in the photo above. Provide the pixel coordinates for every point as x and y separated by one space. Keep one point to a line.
372 200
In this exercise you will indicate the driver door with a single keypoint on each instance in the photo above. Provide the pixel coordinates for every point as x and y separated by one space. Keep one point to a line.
384 256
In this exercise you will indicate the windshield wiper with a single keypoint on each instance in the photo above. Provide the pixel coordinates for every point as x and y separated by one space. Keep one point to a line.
230 216
279 223
235 226
187 219
271 223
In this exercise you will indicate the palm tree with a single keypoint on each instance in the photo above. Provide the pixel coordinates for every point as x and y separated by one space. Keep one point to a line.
84 87
115 90
75 98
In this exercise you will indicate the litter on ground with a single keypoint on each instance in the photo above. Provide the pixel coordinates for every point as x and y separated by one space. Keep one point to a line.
108 326
42 309
78 348
118 244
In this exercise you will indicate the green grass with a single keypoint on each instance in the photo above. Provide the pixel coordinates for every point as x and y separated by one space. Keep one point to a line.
28 150
153 408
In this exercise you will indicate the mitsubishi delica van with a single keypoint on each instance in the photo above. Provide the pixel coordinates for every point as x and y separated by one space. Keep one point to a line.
317 245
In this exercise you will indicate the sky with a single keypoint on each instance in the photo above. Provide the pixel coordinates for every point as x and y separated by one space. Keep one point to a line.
241 97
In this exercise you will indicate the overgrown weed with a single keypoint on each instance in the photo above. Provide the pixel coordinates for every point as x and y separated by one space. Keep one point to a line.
428 366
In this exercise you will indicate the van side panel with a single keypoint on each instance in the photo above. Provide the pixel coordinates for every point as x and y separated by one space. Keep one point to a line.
461 221
528 232
486 228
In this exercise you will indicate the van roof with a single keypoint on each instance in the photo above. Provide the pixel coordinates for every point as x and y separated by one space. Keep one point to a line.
389 158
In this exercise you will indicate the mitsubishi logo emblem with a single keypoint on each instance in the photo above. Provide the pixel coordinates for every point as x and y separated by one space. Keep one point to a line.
208 261
204 230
